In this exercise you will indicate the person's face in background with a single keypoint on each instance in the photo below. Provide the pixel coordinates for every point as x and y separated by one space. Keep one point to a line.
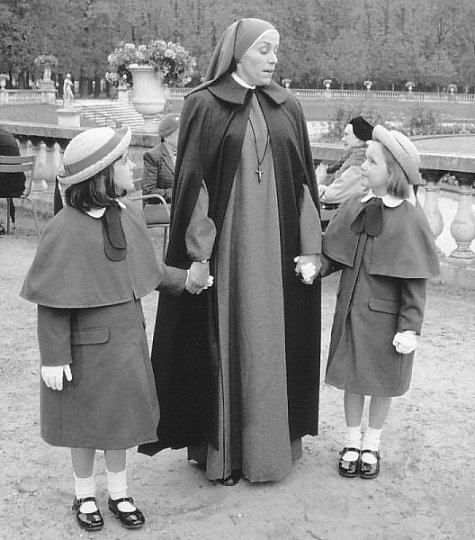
123 179
172 140
349 139
257 65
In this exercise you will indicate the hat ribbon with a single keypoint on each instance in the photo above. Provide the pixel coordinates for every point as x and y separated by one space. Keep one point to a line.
74 168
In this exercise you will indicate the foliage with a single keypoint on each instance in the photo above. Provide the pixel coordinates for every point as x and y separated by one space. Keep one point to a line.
422 121
170 59
430 42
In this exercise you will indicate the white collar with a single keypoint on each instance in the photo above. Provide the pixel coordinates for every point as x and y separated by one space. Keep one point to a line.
241 82
390 200
97 213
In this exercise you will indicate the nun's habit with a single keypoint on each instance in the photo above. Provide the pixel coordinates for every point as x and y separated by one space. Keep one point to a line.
237 367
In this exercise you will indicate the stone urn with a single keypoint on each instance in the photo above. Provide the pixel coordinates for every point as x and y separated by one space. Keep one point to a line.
148 94
3 80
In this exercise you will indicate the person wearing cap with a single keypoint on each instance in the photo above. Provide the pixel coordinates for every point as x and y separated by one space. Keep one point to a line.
12 185
383 244
346 180
94 263
237 366
159 161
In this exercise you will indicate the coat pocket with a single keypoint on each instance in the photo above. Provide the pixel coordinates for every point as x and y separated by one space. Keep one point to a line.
384 306
90 336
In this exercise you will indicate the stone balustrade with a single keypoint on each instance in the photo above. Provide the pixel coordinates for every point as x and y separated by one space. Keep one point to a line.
303 94
27 96
49 142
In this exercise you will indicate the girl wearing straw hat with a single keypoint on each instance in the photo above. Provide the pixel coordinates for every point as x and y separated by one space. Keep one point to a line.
383 244
237 367
94 263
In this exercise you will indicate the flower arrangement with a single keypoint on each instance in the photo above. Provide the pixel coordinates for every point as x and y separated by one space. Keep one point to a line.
409 85
170 59
327 83
452 88
368 84
43 59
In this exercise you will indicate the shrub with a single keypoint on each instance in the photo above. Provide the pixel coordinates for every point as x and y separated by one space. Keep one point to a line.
421 121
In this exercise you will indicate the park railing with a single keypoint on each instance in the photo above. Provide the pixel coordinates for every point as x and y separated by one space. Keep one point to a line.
303 94
49 141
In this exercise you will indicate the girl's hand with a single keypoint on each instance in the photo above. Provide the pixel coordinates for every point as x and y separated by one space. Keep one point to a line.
308 266
405 342
198 277
53 376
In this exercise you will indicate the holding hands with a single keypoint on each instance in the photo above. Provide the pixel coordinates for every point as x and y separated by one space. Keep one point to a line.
198 277
308 266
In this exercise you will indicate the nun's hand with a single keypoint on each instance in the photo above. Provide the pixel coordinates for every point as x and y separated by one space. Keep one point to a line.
53 376
198 277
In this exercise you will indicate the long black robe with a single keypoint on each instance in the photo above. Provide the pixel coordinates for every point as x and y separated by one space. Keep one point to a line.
185 353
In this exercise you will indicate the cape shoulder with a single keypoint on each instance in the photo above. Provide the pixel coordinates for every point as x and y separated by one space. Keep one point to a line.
404 249
71 270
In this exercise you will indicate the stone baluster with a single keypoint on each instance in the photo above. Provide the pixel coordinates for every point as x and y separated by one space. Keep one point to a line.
51 164
431 203
39 183
58 201
463 225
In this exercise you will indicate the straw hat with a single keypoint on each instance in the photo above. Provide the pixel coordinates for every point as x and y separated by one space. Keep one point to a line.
92 151
403 150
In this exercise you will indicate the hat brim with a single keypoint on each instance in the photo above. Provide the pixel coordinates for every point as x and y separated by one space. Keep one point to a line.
125 137
382 135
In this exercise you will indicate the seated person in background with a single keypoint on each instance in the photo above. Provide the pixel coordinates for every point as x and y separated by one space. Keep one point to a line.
11 184
347 177
159 161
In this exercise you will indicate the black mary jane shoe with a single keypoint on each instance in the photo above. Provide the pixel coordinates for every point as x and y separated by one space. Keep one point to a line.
370 470
233 478
131 520
349 469
90 521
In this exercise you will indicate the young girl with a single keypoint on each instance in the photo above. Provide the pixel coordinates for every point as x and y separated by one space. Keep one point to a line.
385 248
94 262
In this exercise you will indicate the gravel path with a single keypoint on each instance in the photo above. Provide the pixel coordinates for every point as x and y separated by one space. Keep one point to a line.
425 491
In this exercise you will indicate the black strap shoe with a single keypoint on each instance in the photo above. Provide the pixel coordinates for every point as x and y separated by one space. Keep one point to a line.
131 520
370 470
90 521
349 469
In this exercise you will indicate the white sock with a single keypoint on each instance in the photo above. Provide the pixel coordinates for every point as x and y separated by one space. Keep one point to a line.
117 484
85 487
352 440
371 441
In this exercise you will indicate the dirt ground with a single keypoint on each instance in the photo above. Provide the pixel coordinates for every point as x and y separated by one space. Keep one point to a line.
426 489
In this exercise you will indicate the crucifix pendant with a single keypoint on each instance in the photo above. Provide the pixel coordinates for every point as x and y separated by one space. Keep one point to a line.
259 173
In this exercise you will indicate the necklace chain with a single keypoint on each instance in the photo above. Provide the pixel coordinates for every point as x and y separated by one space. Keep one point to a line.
260 161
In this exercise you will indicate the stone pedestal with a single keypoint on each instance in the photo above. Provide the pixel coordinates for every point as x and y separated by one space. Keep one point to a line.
123 94
68 118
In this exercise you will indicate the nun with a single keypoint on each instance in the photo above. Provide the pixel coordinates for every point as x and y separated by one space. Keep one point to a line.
237 365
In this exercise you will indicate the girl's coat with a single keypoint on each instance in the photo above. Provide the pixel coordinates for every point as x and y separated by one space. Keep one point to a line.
381 292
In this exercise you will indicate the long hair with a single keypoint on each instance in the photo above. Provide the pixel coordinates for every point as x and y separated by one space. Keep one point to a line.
398 184
96 192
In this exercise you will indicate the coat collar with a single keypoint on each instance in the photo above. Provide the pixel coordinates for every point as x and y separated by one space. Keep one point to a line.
227 89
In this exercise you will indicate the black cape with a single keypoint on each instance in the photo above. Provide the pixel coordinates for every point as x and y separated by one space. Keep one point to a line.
185 353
